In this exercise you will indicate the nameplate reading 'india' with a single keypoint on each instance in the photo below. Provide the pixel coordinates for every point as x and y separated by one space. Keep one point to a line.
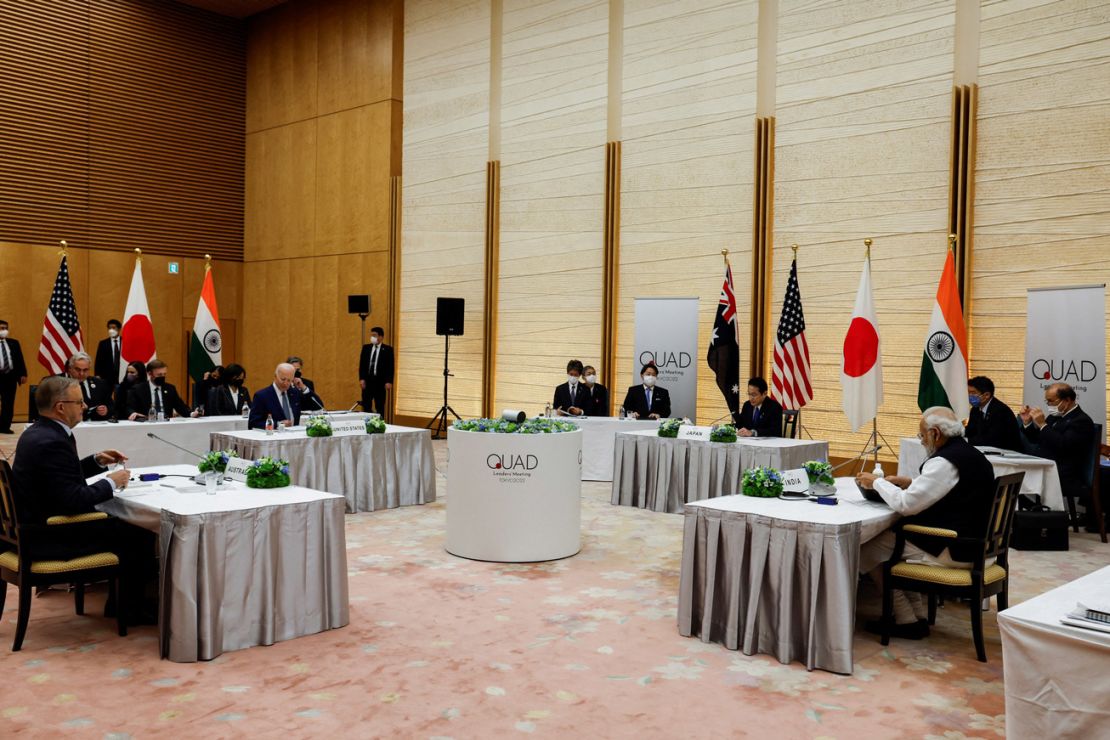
348 428
237 468
795 481
691 432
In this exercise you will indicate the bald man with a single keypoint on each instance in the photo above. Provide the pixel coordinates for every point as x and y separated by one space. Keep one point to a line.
276 400
955 490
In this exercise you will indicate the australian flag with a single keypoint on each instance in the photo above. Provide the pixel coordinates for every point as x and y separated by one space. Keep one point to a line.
724 351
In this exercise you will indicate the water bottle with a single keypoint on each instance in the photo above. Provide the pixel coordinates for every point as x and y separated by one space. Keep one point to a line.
878 471
621 413
151 414
547 411
269 424
246 411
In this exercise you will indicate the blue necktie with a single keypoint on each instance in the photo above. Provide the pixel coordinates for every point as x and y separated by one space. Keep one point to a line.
755 415
647 394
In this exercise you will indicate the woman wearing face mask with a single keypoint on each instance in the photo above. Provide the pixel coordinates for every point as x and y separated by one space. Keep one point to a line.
229 398
596 402
647 401
135 370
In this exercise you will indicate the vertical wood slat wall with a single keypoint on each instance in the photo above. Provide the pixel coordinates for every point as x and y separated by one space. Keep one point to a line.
493 263
122 126
961 198
394 273
610 268
762 242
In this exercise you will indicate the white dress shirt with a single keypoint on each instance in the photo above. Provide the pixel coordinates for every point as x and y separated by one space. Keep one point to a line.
938 477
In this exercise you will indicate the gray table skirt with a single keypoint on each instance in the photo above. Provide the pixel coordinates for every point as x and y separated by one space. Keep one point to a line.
237 579
663 474
763 585
371 471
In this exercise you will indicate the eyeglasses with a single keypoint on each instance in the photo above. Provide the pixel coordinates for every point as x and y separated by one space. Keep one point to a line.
80 402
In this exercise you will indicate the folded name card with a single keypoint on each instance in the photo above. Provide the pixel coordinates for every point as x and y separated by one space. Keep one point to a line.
237 468
795 481
348 428
687 431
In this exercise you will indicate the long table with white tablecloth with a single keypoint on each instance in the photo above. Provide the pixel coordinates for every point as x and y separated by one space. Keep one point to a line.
663 474
1041 477
371 471
765 575
242 567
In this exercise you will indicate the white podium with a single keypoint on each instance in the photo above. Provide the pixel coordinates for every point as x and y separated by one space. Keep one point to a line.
514 498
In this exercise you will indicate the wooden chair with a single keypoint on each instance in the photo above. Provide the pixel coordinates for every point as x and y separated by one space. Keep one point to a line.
790 423
20 567
980 582
1092 475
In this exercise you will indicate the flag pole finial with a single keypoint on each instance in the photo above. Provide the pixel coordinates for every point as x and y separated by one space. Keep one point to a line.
65 248
794 249
867 243
951 241
138 255
724 254
207 262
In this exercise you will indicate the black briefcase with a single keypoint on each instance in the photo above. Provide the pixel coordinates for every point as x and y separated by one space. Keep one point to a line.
1040 529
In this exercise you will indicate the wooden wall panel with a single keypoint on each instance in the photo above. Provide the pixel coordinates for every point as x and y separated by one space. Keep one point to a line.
689 106
281 65
1042 170
446 147
356 51
281 192
100 280
553 139
123 126
862 138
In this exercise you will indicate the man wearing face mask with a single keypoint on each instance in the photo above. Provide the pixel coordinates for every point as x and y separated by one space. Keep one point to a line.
156 394
107 365
375 372
570 396
310 401
955 490
596 402
229 398
13 373
991 423
1065 434
647 401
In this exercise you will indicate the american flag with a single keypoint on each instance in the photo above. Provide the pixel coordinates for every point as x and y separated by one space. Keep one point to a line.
790 373
61 331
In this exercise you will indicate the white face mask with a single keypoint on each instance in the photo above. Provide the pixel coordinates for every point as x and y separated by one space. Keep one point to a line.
1051 409
572 379
591 379
112 333
649 380
373 340
3 333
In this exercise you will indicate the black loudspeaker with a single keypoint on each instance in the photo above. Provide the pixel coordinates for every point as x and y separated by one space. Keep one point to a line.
359 304
449 316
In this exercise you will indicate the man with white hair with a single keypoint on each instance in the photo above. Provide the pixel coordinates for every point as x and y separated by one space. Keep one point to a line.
96 392
276 401
955 490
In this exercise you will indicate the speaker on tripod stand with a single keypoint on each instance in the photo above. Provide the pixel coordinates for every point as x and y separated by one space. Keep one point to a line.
449 323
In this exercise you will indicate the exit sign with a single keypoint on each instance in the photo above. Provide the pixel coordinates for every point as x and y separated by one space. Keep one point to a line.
175 268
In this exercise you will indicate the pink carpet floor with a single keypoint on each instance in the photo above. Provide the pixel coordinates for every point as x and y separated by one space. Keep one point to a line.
440 647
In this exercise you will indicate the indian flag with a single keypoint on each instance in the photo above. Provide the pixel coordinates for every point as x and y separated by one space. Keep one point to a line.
205 349
944 365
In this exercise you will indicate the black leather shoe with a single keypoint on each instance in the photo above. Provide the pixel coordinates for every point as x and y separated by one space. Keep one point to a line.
918 630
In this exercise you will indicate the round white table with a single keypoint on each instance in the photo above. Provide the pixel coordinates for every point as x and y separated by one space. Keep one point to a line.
514 498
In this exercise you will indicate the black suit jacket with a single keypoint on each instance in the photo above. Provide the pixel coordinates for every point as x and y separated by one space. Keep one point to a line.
19 367
997 428
770 418
562 397
636 401
105 365
1068 440
385 365
100 394
266 402
310 401
50 478
219 401
597 400
138 400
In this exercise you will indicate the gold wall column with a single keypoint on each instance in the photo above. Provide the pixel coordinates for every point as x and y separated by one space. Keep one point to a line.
394 325
489 324
762 241
610 267
961 193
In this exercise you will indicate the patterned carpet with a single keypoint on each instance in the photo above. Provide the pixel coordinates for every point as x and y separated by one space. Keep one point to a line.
441 647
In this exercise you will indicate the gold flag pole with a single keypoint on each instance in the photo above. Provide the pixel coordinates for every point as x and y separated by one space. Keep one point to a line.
207 262
867 243
952 242
724 253
138 255
794 249
65 248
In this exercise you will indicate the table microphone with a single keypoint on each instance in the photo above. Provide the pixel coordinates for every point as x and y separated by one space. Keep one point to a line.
152 435
357 404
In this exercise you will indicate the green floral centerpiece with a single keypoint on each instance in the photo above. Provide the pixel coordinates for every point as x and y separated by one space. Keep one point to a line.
375 426
501 426
216 461
723 433
819 473
669 427
266 472
761 482
319 426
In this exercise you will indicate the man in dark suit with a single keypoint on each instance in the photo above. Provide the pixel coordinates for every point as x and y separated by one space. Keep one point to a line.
1065 435
230 396
647 401
107 355
310 401
13 373
156 394
596 402
570 396
279 401
991 422
49 480
761 415
95 392
375 371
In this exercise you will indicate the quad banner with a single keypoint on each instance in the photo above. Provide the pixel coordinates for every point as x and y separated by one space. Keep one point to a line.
667 334
1065 342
